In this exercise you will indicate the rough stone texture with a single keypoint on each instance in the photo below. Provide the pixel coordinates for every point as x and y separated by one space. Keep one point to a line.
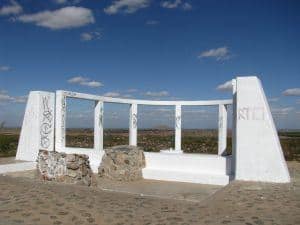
122 163
62 167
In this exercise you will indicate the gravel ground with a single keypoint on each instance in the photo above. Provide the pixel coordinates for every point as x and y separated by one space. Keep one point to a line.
28 201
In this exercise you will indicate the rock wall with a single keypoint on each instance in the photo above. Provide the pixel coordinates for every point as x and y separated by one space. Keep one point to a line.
122 163
62 167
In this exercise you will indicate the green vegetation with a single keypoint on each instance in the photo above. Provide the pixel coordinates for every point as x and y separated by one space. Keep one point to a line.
193 141
8 145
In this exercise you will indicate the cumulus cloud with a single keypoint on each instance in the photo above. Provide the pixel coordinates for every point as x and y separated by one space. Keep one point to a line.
66 1
220 54
171 4
131 90
112 94
84 81
187 6
176 4
4 68
126 6
13 9
227 86
157 94
64 18
89 36
281 111
292 92
273 99
6 98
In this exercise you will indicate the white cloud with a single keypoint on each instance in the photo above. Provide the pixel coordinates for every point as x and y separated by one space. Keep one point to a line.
67 1
112 94
170 4
64 18
127 96
126 6
20 99
84 81
176 4
88 36
132 90
6 98
5 68
292 92
152 22
220 54
187 6
273 99
12 9
227 86
298 102
281 111
157 94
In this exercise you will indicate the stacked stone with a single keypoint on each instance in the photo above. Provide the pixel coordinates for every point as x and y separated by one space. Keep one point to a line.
122 163
62 167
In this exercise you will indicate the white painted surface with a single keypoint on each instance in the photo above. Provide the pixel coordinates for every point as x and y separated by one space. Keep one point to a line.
133 125
178 127
194 168
60 122
38 126
143 102
258 153
222 137
17 167
98 126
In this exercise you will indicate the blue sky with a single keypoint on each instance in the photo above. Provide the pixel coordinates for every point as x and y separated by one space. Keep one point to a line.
177 49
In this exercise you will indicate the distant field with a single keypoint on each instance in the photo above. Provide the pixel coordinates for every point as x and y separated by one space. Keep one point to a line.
153 140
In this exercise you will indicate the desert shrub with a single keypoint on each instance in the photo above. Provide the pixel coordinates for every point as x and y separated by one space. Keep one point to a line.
8 145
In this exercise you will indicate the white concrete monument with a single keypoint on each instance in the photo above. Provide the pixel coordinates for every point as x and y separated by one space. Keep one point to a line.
38 126
256 153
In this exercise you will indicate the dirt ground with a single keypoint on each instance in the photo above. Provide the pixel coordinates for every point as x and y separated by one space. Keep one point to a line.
25 200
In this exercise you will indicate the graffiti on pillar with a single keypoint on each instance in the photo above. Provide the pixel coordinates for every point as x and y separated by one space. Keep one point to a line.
251 113
46 127
178 122
101 116
63 118
134 120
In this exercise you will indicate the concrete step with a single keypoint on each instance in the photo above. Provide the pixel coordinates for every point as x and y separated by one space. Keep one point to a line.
183 176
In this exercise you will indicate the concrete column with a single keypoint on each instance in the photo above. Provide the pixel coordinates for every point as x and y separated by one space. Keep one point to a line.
258 156
178 127
98 126
222 139
38 126
60 122
133 125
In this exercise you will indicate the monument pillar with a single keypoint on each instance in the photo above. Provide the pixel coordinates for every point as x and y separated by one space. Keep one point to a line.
257 155
38 126
133 125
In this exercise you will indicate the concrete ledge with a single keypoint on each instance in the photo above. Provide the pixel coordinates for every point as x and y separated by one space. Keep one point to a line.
181 176
16 167
186 162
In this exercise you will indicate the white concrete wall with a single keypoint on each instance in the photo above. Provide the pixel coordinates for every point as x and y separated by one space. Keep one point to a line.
258 154
38 126
193 168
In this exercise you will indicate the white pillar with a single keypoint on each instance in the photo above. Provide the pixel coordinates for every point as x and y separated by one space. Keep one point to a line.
259 156
38 126
60 122
133 125
178 127
98 126
222 143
